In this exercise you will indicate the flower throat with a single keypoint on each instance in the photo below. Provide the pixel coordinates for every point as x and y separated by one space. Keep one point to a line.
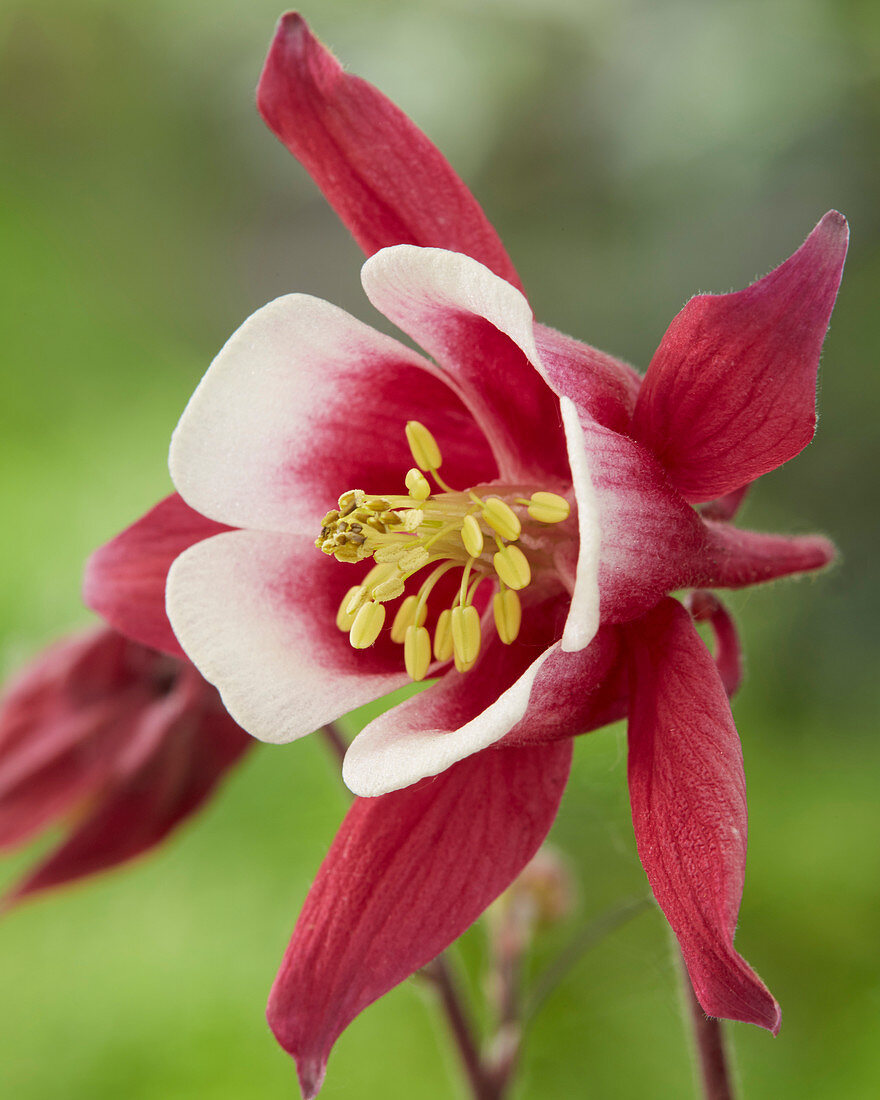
449 529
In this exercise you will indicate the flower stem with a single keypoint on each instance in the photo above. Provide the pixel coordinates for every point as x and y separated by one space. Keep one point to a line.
335 740
484 1084
715 1074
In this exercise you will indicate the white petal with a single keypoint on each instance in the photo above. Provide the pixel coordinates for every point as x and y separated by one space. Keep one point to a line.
255 612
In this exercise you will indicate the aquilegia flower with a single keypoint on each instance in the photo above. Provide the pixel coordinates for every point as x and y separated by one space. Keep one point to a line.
118 742
509 512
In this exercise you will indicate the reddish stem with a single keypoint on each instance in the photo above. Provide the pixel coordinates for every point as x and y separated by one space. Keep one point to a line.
709 1042
483 1083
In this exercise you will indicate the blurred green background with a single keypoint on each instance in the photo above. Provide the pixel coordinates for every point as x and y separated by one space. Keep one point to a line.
631 153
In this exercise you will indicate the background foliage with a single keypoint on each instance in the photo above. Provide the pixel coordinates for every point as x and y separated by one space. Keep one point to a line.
631 153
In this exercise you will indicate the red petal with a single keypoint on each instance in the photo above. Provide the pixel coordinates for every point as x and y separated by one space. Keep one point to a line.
601 386
689 808
731 391
125 578
407 874
165 769
379 172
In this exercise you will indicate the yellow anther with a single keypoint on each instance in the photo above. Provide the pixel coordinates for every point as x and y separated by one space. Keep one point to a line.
465 636
344 617
472 536
512 566
355 599
413 559
417 484
508 614
354 498
417 652
405 617
549 508
443 636
377 504
423 446
367 624
393 552
501 518
387 590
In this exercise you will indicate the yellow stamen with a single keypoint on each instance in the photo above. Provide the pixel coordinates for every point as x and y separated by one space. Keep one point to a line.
465 636
367 624
406 617
508 614
417 652
344 618
388 590
472 536
423 446
501 518
443 644
549 508
417 484
512 566
355 599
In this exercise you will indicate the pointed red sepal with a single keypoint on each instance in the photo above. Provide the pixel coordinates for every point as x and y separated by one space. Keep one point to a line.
407 873
387 182
688 794
731 392
125 578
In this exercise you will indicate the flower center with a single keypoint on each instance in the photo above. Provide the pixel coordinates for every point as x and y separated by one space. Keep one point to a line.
482 534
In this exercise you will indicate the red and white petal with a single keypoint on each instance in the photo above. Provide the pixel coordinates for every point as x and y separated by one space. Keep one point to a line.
185 743
731 392
688 794
303 403
583 612
601 386
650 541
125 579
408 872
383 177
480 330
575 693
256 613
461 714
735 558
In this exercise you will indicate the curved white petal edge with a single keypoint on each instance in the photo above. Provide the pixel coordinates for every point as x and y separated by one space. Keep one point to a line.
583 613
382 759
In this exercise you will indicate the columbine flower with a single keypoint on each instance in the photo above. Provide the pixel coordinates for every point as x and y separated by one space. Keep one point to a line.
510 515
118 741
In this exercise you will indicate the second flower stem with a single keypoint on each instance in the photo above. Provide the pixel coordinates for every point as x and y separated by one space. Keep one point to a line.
714 1065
